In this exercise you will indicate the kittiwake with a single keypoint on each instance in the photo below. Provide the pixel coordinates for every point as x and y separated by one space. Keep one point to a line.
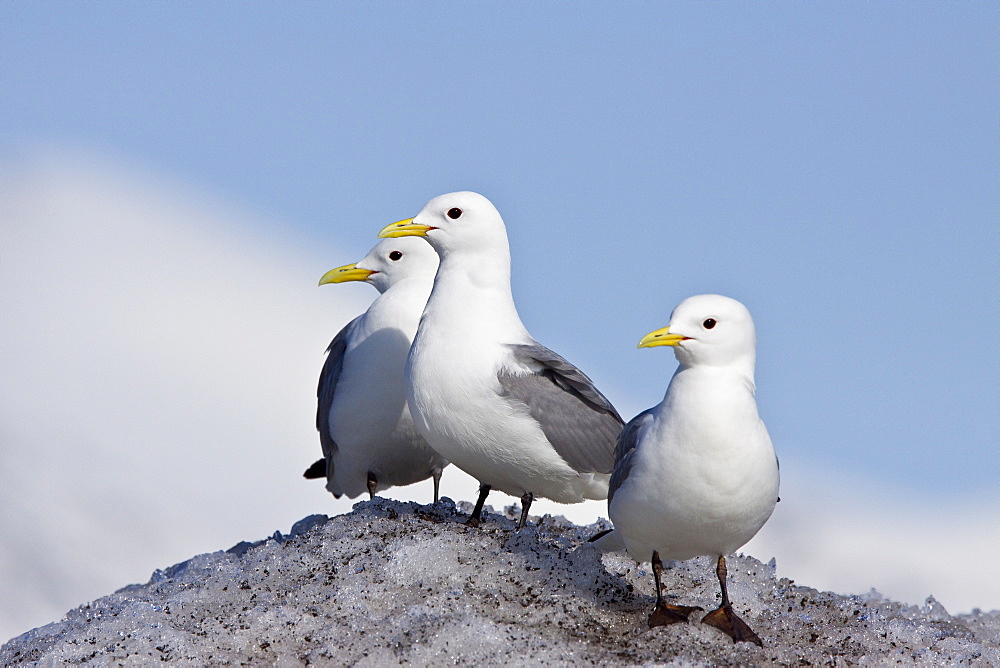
368 437
489 398
697 474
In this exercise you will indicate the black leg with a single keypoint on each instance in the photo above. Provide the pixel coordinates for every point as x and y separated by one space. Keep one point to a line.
723 574
372 484
437 483
665 613
477 513
599 535
526 500
724 618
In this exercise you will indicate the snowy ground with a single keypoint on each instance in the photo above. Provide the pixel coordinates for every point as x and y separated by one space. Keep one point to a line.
396 582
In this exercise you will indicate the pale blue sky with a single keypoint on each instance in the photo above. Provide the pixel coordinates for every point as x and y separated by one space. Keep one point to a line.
834 166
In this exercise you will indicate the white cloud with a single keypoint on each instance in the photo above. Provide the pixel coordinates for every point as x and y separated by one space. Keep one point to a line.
159 356
850 536
159 364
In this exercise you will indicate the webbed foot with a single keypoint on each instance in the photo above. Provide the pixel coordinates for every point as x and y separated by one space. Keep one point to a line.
727 621
665 613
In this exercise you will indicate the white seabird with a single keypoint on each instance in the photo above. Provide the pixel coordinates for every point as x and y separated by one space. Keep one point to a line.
368 437
696 474
489 398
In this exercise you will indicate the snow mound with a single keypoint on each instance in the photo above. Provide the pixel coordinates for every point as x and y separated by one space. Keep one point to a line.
396 582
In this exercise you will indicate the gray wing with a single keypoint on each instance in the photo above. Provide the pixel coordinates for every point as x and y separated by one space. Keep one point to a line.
579 421
625 448
328 378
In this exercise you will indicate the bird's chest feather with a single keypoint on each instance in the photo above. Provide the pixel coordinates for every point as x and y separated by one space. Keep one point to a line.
448 378
459 348
705 450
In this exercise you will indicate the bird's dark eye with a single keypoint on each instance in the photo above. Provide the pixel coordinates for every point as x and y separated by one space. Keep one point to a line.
455 213
395 255
709 324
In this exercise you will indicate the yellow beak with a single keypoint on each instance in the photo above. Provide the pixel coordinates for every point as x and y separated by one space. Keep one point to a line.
404 228
661 337
349 272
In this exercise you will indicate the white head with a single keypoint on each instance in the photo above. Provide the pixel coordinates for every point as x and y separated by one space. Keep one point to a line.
464 222
708 330
389 262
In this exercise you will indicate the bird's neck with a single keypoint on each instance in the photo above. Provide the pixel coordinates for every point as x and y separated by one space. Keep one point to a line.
715 391
709 415
402 304
472 298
